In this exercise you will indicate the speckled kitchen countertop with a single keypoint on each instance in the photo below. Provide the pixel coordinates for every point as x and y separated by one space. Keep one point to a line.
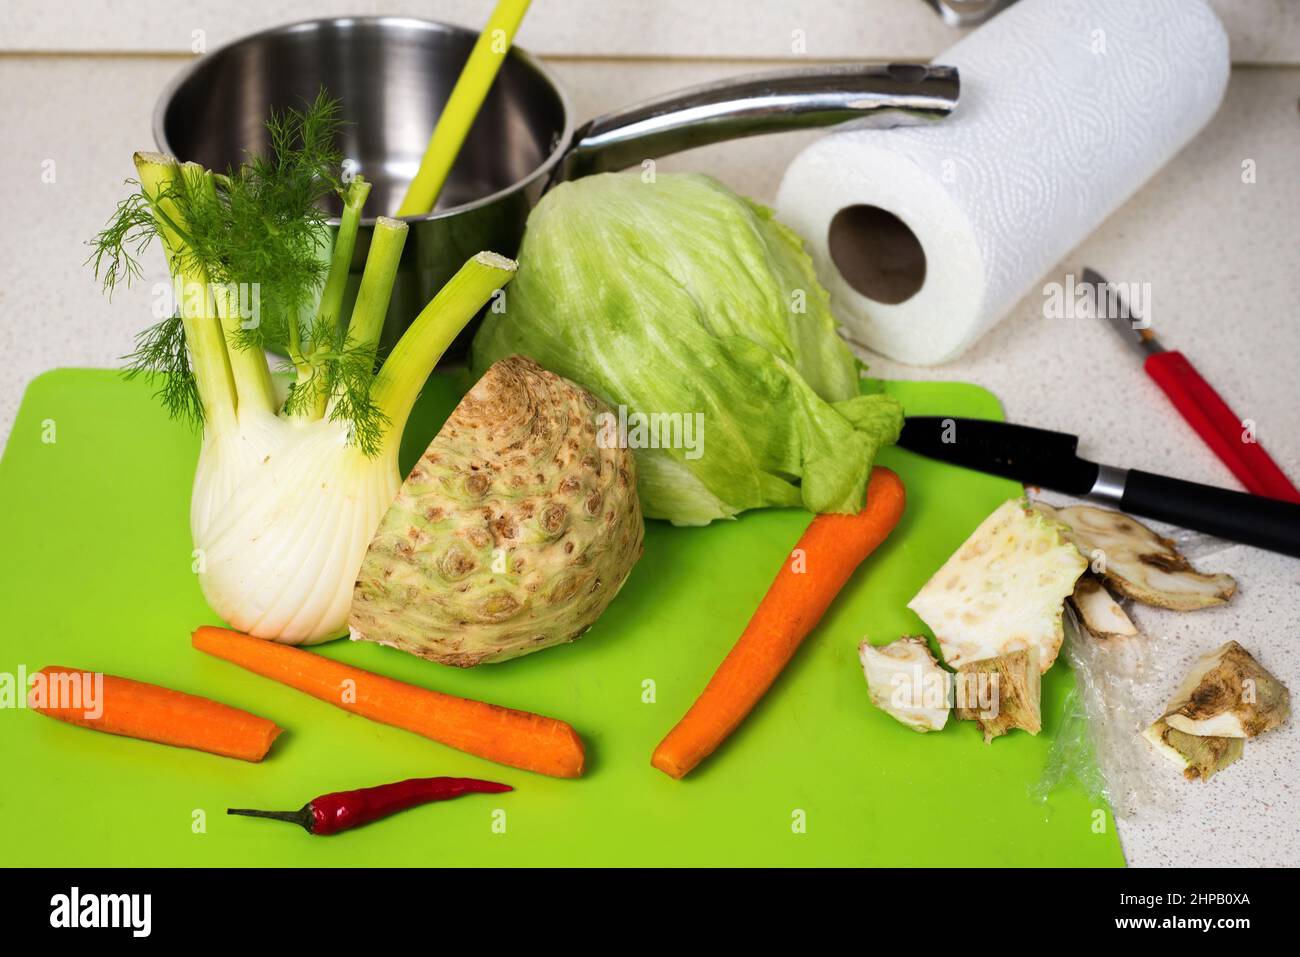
1221 256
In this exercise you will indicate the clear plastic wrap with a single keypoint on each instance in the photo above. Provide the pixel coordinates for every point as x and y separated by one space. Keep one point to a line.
1118 687
1099 744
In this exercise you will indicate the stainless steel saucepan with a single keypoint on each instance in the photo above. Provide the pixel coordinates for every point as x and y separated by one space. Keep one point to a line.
393 76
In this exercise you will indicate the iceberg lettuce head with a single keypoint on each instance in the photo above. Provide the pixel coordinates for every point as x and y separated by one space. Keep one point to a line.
697 316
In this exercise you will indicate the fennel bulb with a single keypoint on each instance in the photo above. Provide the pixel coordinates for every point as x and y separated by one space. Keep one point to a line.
286 496
284 507
281 533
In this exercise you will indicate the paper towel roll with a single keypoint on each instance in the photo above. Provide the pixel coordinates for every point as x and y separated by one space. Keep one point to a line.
1067 107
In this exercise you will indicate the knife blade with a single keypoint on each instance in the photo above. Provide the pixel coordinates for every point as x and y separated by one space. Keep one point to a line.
1196 400
1135 332
1048 459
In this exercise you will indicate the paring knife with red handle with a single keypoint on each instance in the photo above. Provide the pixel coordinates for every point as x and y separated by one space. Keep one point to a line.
1195 399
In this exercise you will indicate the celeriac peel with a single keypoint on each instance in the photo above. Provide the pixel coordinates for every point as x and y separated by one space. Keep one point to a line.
905 682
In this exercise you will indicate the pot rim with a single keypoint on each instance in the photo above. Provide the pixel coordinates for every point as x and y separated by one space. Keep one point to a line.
543 169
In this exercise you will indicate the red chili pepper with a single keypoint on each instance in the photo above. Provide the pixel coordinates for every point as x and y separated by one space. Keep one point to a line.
331 813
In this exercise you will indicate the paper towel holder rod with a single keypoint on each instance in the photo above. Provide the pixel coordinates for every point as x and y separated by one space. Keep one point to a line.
876 253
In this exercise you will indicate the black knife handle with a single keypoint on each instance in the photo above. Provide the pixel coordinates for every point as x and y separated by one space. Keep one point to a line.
1236 516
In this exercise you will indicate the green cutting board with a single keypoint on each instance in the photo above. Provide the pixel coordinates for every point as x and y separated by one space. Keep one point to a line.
94 495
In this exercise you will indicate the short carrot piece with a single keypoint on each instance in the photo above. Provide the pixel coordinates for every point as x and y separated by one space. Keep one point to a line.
826 556
519 739
135 709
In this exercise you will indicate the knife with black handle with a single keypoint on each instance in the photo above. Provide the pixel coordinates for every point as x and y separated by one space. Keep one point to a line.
1050 460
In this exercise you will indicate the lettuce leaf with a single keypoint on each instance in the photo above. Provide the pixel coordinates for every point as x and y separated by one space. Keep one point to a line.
678 296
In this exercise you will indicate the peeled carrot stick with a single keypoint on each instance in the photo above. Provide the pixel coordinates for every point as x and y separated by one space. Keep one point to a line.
135 709
827 554
517 738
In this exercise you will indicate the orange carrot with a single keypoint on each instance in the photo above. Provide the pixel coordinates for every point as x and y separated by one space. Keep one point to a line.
504 735
827 554
135 709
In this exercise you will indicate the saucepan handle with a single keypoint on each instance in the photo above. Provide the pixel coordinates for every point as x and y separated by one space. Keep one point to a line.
899 94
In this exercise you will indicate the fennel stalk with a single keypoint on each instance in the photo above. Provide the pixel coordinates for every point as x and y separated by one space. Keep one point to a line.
286 496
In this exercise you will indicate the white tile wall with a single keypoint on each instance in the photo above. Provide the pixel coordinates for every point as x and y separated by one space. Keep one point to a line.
1262 31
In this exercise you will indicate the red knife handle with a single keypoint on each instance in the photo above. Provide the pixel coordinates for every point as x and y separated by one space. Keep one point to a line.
1220 428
